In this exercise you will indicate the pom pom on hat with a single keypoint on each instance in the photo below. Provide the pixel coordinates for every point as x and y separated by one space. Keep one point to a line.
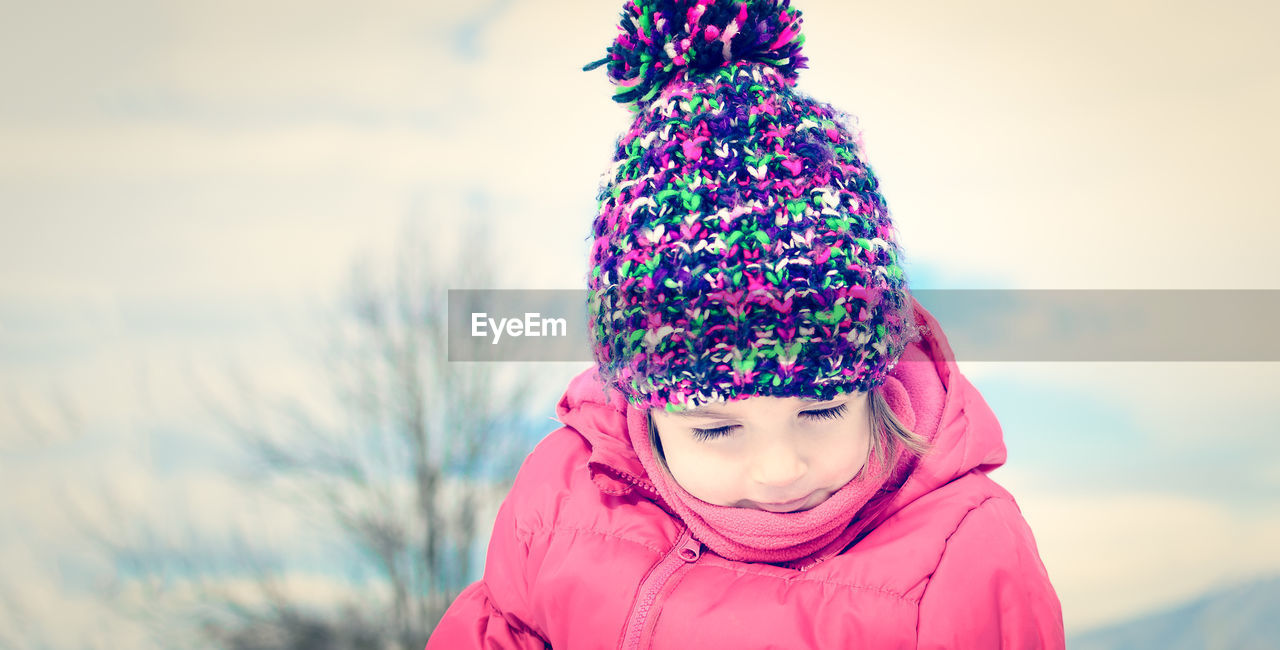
659 39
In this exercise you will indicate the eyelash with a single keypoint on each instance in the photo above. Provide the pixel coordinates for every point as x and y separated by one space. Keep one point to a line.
832 413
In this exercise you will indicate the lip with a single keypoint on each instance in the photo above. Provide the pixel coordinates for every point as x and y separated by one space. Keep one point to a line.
787 506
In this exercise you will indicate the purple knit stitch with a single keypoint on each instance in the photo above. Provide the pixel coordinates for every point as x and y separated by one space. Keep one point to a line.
741 245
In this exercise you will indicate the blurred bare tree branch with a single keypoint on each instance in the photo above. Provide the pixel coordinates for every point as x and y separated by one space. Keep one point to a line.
400 462
420 451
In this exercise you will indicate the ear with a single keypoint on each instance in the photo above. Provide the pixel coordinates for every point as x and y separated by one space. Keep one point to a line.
895 395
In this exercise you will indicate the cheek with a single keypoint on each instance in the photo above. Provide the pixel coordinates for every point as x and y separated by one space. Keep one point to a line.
702 474
845 453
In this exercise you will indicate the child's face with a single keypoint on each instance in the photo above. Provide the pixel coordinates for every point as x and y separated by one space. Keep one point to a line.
767 453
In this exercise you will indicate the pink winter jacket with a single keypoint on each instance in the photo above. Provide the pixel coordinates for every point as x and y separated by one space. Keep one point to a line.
584 556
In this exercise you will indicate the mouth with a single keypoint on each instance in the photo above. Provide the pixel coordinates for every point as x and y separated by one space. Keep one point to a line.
803 503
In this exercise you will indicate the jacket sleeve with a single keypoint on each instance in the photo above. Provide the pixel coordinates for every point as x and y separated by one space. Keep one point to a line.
492 613
990 589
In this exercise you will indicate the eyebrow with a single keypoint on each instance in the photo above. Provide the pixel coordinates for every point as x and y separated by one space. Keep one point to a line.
712 413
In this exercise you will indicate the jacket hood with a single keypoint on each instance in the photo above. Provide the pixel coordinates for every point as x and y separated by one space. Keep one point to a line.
967 435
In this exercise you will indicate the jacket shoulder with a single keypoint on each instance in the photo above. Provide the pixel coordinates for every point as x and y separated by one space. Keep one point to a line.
990 588
994 523
547 478
948 504
555 491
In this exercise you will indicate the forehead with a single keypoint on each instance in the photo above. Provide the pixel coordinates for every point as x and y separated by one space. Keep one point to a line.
749 405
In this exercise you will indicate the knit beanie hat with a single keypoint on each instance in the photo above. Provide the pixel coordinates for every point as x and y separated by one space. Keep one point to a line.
741 246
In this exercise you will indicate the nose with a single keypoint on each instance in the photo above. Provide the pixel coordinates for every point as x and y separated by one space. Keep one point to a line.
778 465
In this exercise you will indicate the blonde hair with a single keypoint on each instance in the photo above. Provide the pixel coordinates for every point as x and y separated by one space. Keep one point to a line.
888 434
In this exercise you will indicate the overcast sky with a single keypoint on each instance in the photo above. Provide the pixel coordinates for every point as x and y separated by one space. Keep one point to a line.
184 184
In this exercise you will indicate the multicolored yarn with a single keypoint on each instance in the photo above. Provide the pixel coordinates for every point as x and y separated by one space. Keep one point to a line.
661 39
742 246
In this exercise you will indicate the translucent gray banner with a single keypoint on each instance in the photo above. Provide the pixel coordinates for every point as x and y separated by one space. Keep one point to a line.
982 325
518 325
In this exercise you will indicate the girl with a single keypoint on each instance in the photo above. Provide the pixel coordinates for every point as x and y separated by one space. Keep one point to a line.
775 448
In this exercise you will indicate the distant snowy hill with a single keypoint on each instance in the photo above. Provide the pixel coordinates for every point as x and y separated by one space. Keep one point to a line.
1243 617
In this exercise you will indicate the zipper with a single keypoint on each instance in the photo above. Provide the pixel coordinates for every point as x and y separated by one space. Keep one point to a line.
684 553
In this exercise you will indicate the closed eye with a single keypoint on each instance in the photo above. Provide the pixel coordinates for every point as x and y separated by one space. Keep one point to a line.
710 434
826 414
832 413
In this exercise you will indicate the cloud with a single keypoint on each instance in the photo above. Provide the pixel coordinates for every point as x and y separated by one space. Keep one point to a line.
1145 483
181 533
388 55
1133 552
44 614
1195 430
1006 148
240 153
47 613
1168 402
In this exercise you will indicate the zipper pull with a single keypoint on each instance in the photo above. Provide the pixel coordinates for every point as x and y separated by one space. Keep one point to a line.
691 550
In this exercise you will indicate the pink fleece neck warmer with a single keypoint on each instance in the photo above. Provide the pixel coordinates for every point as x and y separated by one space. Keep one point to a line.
915 395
